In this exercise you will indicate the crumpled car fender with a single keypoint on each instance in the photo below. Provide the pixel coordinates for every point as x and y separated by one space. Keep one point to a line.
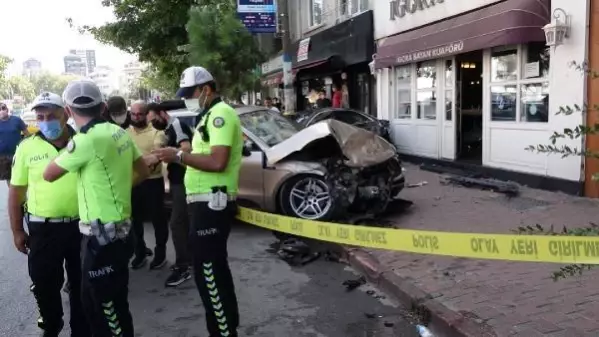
360 148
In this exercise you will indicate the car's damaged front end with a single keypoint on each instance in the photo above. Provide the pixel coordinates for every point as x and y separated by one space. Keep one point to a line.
361 169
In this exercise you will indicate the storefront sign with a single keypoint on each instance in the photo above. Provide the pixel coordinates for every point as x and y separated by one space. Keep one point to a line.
433 53
274 64
399 8
258 16
303 49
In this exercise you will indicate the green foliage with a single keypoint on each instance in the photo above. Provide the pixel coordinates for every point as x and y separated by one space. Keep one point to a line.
578 132
5 61
17 86
153 30
164 83
156 32
219 42
50 82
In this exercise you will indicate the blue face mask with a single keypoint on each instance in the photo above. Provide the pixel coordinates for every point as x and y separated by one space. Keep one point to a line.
51 129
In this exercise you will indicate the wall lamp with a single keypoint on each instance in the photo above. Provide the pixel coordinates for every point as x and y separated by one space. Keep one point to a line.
559 28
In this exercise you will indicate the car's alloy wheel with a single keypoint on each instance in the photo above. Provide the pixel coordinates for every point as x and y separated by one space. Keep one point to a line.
309 198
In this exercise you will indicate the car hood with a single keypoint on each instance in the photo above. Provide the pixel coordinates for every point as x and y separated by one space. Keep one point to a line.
361 148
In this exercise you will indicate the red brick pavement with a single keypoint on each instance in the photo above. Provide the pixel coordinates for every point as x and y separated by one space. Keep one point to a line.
513 298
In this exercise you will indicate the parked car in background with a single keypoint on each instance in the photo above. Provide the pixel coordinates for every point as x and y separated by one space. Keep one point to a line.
349 116
318 172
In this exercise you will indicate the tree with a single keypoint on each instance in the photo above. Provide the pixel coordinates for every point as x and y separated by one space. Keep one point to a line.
151 77
221 43
50 82
17 86
154 30
579 132
5 61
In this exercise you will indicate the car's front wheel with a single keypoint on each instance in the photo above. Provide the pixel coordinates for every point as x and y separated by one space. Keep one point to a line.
307 197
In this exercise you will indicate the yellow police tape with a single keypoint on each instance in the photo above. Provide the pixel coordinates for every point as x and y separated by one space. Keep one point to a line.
534 248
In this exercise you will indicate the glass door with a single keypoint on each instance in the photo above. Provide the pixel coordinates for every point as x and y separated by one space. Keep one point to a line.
449 98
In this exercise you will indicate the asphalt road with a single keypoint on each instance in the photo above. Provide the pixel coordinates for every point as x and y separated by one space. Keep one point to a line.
276 300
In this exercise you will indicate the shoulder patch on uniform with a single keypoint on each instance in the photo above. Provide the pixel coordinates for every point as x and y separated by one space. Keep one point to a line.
218 122
71 146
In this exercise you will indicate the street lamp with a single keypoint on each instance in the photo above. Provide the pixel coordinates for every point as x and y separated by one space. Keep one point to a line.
559 29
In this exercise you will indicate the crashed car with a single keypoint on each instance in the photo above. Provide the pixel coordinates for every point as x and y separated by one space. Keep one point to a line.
316 173
319 172
349 116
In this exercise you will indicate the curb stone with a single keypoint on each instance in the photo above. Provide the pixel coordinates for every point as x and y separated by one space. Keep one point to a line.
441 320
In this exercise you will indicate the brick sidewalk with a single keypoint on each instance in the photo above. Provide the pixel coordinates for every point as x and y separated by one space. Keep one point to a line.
513 298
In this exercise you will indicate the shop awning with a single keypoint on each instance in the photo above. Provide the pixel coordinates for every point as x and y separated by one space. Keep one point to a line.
311 64
273 79
505 23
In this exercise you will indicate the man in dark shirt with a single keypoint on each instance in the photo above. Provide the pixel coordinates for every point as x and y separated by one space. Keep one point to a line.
116 112
323 101
178 135
11 128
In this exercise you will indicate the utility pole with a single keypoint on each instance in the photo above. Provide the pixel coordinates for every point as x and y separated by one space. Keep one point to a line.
289 92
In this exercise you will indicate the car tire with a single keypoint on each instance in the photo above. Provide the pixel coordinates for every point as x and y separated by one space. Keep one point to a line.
307 197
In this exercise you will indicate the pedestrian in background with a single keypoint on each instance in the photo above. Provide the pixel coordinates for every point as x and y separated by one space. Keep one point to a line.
211 183
52 219
178 135
11 130
337 96
116 112
148 197
105 159
269 104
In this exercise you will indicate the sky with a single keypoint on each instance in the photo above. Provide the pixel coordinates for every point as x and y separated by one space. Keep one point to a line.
38 29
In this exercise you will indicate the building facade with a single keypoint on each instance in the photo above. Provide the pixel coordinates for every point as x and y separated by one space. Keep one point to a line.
474 82
74 65
106 79
88 56
32 67
332 46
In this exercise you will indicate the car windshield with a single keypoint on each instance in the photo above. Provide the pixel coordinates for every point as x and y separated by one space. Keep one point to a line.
269 126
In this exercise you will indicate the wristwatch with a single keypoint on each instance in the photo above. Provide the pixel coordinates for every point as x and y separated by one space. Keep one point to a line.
180 157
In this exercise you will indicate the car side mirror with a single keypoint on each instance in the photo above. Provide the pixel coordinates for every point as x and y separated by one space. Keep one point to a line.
247 148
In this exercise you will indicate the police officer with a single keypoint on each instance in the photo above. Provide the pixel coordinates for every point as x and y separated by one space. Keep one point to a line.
105 159
211 181
52 218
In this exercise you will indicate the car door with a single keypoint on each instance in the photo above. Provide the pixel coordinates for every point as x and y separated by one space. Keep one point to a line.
251 176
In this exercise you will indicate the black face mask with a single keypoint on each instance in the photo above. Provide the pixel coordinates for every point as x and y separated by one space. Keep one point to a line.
139 124
159 124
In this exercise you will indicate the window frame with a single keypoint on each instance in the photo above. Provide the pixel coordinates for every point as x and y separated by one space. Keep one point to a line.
433 89
410 87
313 22
520 82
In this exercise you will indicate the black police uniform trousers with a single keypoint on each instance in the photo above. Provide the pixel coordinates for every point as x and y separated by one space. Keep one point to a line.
209 232
105 287
52 246
147 203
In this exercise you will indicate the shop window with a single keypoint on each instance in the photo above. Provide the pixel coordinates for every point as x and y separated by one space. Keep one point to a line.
426 83
520 83
403 96
352 7
504 65
316 12
449 90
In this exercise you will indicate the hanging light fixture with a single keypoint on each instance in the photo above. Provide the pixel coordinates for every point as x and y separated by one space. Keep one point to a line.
559 29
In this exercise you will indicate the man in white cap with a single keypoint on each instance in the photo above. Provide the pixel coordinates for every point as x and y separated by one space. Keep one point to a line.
211 183
105 159
52 218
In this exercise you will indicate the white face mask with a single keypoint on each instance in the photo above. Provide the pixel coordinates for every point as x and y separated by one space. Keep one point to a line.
192 104
119 119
